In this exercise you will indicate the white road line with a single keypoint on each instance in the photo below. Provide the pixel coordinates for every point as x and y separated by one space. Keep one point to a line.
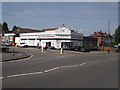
17 75
1 62
1 77
69 66
51 69
82 63
73 65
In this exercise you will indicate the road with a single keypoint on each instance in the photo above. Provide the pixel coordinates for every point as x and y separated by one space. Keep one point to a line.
49 69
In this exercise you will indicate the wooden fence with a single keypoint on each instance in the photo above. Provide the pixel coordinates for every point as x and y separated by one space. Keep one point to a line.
105 48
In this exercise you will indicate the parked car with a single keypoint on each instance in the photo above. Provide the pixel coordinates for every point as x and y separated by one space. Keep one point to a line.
6 44
118 49
77 48
81 49
14 44
4 49
22 45
52 47
84 49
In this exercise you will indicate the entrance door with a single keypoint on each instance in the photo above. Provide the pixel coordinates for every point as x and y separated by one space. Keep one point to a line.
67 45
48 44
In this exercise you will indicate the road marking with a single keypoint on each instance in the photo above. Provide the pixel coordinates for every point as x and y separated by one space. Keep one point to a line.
1 77
52 69
72 65
49 70
82 63
2 62
69 66
18 75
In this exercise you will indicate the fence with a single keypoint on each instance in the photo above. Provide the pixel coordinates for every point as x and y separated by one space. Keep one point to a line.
105 48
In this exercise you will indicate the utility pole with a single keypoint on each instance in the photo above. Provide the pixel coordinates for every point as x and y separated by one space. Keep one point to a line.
109 41
108 31
108 26
108 35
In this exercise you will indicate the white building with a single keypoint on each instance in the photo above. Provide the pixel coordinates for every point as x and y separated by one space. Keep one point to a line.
8 37
55 37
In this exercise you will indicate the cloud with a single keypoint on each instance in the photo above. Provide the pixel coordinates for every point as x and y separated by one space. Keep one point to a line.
28 12
81 30
24 14
84 32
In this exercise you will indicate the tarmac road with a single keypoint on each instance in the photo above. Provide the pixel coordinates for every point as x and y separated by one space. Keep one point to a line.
70 70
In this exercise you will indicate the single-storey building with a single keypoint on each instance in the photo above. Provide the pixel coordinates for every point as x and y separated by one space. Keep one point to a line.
53 37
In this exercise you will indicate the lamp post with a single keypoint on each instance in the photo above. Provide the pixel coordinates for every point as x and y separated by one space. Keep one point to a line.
108 35
109 42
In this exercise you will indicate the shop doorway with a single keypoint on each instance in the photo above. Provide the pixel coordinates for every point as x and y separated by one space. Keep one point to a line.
67 45
48 44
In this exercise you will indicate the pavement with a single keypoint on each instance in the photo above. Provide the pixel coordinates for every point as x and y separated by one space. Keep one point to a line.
78 52
8 56
102 52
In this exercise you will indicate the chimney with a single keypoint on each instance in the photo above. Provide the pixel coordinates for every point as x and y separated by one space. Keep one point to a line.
63 25
100 31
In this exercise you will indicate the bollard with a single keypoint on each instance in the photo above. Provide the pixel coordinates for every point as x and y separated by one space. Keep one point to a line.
61 51
108 51
42 49
13 52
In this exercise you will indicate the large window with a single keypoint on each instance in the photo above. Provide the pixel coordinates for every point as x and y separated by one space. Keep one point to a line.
10 38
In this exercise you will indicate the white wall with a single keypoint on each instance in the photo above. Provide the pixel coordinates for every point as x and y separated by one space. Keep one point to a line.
62 32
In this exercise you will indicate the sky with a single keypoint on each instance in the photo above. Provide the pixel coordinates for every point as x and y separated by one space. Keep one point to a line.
0 12
60 0
85 17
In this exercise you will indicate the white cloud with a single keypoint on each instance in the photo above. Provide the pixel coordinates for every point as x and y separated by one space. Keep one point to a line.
24 14
81 30
28 12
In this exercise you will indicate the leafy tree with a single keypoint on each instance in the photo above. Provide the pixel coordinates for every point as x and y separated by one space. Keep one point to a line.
14 28
5 27
113 35
117 35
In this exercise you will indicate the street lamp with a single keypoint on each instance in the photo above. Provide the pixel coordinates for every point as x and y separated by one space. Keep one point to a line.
109 42
108 31
108 35
109 21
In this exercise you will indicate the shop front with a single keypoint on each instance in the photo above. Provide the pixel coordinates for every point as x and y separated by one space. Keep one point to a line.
57 38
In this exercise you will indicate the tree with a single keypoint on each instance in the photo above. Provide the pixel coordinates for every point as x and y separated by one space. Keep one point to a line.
117 35
14 28
5 27
113 35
